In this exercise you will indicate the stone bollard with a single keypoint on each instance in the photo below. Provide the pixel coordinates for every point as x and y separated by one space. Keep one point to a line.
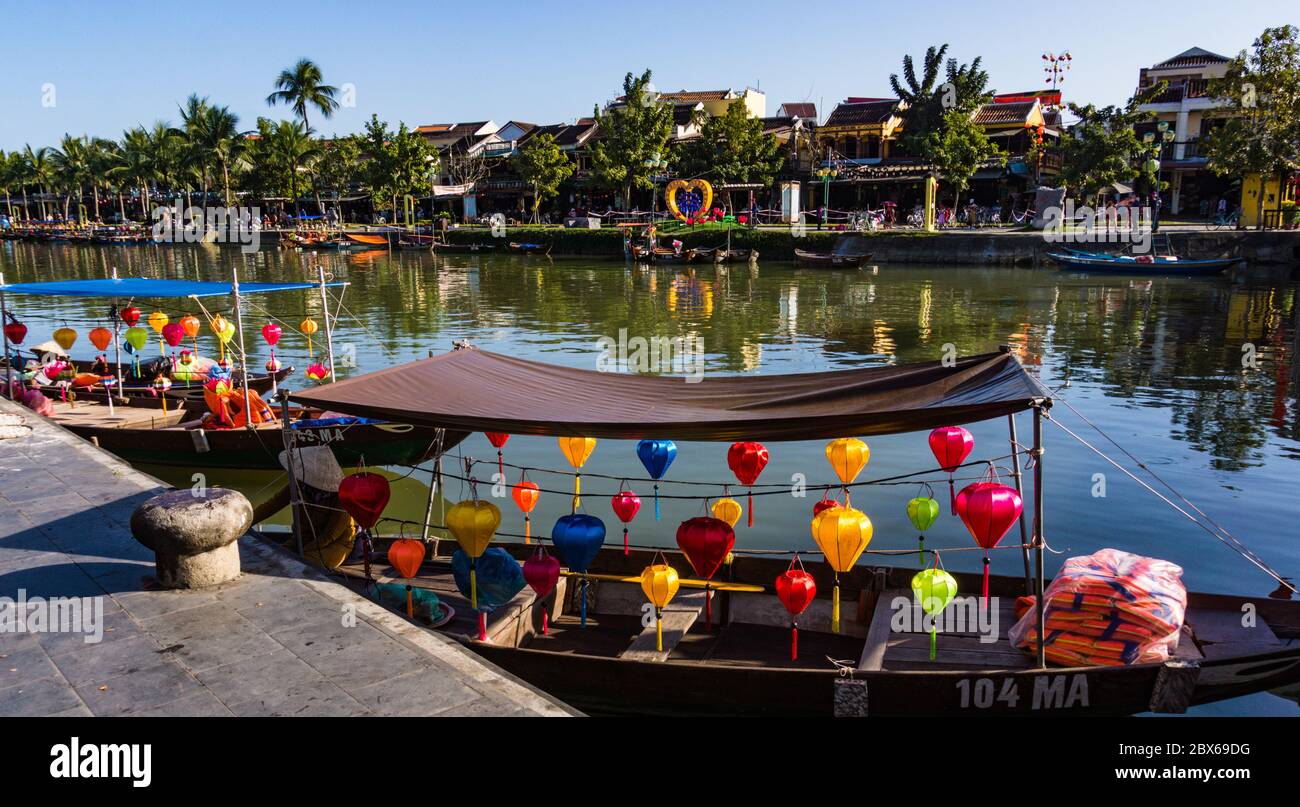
194 536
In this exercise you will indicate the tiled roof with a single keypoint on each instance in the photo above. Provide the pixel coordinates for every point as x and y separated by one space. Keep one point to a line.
801 110
1193 57
566 135
864 113
435 128
694 96
1009 113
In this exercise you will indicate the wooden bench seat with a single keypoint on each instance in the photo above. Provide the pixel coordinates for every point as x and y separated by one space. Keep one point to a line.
678 617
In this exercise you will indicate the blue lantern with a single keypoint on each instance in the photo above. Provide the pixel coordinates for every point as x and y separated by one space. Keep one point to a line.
577 538
499 577
656 456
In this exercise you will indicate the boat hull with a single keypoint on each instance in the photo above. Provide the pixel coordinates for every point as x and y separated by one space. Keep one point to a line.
1101 263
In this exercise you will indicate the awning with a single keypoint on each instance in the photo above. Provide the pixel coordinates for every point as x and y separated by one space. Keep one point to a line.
476 390
148 287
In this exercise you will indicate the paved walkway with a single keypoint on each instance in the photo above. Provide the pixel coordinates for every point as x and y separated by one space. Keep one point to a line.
275 642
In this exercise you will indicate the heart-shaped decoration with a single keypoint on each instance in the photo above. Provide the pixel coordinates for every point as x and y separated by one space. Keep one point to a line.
364 495
626 505
686 198
705 542
405 555
472 524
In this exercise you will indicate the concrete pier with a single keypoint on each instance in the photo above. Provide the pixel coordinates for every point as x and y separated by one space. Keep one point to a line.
283 639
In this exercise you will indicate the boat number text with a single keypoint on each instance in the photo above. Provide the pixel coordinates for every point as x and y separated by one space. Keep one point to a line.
1050 692
321 435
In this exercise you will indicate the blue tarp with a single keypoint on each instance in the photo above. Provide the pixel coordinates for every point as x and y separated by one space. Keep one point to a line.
148 287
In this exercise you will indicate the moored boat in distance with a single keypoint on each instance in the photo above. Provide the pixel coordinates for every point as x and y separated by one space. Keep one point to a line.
830 260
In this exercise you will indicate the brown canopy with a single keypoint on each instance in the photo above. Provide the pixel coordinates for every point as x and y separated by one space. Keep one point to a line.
476 390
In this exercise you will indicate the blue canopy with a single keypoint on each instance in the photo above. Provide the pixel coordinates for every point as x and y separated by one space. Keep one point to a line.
148 287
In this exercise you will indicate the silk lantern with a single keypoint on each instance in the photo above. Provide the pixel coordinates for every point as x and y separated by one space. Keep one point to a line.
493 579
626 505
137 337
473 523
498 440
848 456
100 337
271 333
192 326
951 445
728 510
15 332
542 572
656 456
747 460
405 555
796 589
577 538
933 589
224 330
364 495
922 512
841 533
308 327
825 504
988 509
660 583
173 334
526 494
65 337
576 451
158 320
130 315
706 542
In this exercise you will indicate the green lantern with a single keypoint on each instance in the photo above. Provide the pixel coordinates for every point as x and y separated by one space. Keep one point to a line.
922 511
934 589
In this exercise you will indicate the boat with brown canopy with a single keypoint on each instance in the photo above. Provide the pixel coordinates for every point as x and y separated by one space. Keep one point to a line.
738 662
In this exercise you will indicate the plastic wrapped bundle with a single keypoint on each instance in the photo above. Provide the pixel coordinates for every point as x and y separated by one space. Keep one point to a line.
426 602
1108 608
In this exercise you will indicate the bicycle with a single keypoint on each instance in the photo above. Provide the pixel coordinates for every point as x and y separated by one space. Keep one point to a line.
1224 221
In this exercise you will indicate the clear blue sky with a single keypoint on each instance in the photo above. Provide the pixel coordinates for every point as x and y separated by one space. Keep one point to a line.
117 64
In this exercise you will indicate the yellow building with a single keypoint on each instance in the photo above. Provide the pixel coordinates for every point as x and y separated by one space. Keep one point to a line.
1276 194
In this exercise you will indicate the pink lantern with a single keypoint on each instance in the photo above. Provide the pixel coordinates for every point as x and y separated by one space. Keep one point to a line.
988 509
542 572
951 446
626 505
271 333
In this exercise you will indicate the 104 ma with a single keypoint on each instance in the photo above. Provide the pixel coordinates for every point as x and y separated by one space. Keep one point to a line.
1049 692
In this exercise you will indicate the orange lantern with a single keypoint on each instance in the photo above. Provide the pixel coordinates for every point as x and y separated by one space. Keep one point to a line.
406 555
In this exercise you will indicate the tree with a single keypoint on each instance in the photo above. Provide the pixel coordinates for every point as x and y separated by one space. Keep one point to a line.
733 148
629 135
341 165
1263 87
400 163
925 106
40 171
282 157
1103 147
71 164
542 165
916 94
301 87
958 147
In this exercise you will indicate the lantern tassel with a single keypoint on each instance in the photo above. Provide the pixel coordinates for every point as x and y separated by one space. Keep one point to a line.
545 624
751 507
656 501
708 607
473 588
582 608
794 641
410 603
920 552
577 489
952 496
986 582
528 529
482 626
934 642
835 606
501 467
659 632
627 549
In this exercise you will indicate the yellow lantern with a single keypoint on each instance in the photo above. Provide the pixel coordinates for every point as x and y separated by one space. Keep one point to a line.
841 533
158 320
66 337
224 330
308 327
848 456
576 451
660 583
473 523
728 510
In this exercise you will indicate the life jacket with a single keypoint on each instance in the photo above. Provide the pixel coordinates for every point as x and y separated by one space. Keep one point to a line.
227 407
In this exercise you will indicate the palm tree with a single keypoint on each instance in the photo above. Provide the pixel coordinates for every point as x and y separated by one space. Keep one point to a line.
7 179
217 136
71 161
135 166
918 92
194 162
40 172
103 156
283 153
300 87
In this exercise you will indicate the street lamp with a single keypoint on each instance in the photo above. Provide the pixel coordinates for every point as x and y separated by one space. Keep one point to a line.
826 173
656 165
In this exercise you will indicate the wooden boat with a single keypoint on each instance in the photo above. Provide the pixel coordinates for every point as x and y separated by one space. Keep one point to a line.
735 256
738 661
368 241
1140 264
141 386
741 664
465 248
180 438
829 260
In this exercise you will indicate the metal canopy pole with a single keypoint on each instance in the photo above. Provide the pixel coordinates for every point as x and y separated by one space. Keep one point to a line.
4 320
1038 527
243 357
329 329
295 496
1015 474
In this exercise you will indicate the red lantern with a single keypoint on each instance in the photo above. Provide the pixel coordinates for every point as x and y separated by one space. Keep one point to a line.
173 333
542 572
406 555
706 542
16 332
988 509
747 460
130 315
626 505
796 590
951 446
825 504
525 494
364 496
497 439
271 333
